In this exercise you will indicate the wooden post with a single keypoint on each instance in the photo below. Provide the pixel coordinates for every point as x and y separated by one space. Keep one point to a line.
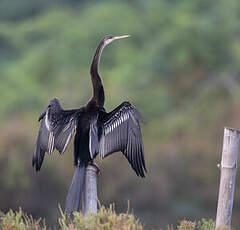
228 168
89 203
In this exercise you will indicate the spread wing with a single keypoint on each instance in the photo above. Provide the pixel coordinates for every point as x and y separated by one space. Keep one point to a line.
56 129
121 132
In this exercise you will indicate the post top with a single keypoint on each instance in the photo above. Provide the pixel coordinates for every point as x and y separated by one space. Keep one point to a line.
93 168
232 129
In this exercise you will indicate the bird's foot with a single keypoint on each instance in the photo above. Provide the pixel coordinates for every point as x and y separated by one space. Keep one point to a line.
95 165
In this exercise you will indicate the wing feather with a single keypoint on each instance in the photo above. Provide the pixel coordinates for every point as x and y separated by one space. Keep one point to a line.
93 137
122 132
56 129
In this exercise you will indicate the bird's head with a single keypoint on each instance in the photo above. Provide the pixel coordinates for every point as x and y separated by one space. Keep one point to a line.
109 38
104 42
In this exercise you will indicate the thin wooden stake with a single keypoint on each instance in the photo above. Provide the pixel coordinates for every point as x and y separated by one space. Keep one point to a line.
228 168
90 191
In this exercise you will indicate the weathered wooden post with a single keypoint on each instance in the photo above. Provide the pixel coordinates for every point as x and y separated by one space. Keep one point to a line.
228 168
89 203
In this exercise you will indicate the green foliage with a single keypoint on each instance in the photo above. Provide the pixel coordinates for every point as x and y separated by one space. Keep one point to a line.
180 68
186 225
18 220
105 219
202 224
205 224
54 50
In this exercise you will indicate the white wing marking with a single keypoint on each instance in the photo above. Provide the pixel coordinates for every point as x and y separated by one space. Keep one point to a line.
69 136
47 122
90 144
50 142
67 126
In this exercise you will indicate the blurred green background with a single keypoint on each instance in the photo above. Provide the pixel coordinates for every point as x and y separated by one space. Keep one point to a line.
180 68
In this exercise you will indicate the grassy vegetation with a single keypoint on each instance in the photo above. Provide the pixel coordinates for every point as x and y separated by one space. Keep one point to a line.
105 219
180 68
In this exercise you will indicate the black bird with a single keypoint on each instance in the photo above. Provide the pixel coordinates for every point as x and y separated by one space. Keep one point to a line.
97 132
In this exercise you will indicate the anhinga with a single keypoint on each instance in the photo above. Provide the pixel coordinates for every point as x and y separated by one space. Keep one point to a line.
97 132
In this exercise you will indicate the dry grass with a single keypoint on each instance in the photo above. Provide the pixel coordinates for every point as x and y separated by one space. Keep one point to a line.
18 220
105 219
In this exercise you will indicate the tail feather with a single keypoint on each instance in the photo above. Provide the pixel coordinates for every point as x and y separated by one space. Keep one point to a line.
75 191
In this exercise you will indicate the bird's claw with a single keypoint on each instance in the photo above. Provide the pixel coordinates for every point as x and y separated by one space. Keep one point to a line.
95 165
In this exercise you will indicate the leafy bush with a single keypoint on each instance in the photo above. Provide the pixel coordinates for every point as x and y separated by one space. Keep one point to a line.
202 224
186 225
105 219
180 68
18 220
205 224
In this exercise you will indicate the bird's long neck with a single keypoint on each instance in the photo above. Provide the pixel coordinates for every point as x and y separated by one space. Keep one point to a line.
98 91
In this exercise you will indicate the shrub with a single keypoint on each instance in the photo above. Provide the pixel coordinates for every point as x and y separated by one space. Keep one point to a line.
18 220
105 219
186 225
202 224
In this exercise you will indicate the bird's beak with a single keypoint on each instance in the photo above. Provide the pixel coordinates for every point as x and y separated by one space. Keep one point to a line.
120 37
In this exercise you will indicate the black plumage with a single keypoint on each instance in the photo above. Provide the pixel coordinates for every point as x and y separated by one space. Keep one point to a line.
96 132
